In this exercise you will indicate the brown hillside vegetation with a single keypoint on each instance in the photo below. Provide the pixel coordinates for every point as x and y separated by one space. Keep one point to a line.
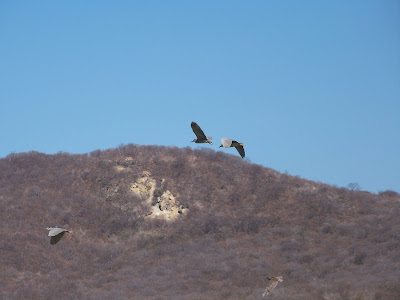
154 222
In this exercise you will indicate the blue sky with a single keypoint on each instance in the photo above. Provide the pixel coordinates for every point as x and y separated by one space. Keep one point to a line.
311 87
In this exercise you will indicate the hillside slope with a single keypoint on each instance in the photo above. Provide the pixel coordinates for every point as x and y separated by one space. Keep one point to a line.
156 222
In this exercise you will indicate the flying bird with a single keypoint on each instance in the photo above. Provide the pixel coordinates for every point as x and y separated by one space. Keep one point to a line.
227 143
273 282
201 137
56 233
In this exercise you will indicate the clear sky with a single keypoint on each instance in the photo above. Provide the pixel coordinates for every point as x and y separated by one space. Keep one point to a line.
311 87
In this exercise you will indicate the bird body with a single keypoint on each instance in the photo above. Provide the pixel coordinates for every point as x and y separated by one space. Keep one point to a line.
273 282
201 137
56 233
228 143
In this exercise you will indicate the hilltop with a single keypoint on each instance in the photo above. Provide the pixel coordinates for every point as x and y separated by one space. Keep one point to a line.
154 222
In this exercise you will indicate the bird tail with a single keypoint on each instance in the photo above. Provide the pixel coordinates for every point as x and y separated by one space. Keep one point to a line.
266 292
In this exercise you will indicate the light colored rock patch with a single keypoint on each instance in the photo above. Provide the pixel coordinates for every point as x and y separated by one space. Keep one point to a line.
198 204
144 187
165 206
120 168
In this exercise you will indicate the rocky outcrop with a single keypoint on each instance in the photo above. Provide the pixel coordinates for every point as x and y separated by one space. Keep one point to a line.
162 203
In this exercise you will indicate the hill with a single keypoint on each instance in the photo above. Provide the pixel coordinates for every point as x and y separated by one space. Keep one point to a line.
155 222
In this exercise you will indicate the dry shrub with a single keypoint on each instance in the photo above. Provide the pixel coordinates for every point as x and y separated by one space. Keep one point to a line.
241 226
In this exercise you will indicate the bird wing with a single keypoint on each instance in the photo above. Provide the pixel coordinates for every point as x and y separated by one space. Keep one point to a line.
55 239
226 143
240 149
273 283
198 132
56 231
